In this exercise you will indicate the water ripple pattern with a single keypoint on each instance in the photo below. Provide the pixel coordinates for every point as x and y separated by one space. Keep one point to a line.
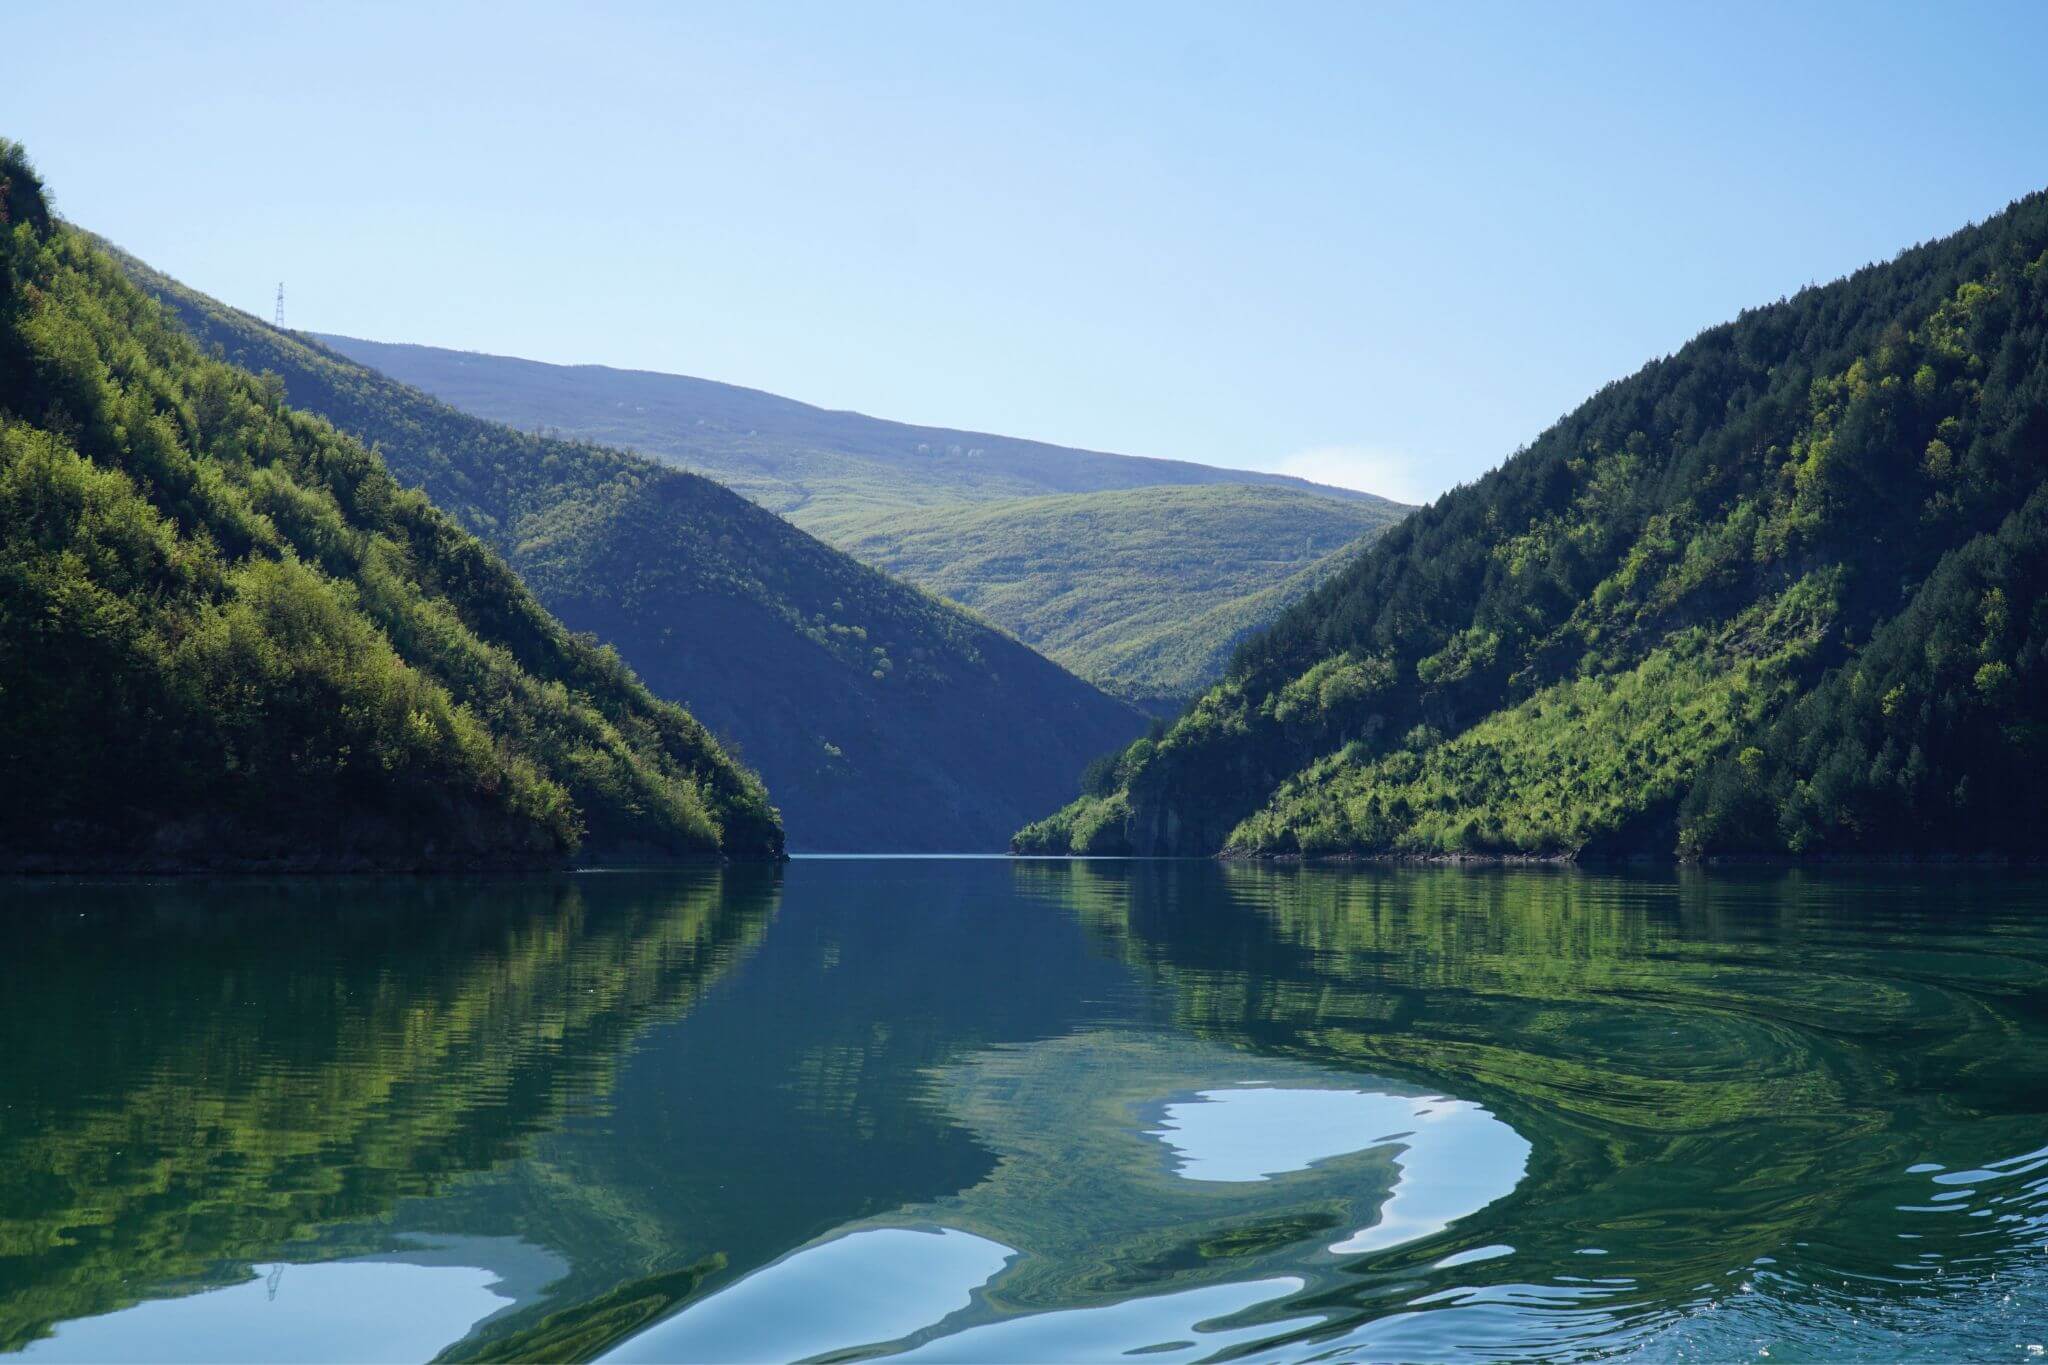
979 1110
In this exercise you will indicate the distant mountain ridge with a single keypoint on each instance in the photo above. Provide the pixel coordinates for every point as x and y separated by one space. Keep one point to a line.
881 718
1140 574
802 461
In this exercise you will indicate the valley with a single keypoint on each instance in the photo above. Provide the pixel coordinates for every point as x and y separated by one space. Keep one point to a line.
1138 574
1509 823
881 718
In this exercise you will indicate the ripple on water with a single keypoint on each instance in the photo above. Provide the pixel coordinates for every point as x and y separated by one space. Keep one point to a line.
1042 1111
1248 1161
1453 1157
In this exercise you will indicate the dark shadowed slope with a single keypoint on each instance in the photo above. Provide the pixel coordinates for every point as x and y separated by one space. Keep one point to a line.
229 638
879 717
821 469
1785 591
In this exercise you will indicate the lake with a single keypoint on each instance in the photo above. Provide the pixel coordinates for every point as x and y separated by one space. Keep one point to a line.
1001 1110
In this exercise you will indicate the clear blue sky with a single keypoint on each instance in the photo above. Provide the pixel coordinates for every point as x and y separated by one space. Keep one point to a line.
1379 245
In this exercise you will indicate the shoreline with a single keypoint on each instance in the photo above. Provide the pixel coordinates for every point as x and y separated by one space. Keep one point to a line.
1984 860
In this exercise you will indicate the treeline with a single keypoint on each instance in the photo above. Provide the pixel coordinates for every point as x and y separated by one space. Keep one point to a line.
1778 593
229 637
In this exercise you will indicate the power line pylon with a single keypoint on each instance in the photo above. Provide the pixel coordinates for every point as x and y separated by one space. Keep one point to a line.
279 319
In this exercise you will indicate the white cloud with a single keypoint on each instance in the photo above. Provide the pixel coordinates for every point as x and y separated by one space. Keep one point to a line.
1369 469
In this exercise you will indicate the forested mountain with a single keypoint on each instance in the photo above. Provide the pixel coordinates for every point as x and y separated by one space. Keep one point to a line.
1785 591
881 718
229 638
826 471
1142 591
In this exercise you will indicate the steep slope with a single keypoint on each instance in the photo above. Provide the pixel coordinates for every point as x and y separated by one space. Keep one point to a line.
881 718
1781 593
810 464
1142 591
229 638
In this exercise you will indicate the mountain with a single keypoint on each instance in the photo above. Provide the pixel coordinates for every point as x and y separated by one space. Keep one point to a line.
826 471
1111 588
881 718
1142 591
1784 592
229 638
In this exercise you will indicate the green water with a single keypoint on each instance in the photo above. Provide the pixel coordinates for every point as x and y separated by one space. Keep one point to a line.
989 1110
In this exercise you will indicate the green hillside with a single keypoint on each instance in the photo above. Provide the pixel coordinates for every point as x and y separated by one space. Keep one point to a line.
1145 591
881 718
229 638
1785 591
824 470
929 504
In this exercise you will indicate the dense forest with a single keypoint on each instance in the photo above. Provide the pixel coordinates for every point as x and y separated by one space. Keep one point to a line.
828 472
881 718
1142 591
228 637
1779 593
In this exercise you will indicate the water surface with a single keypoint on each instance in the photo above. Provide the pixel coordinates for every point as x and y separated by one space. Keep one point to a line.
975 1110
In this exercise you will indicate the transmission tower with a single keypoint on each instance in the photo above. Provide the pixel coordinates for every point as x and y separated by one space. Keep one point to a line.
280 304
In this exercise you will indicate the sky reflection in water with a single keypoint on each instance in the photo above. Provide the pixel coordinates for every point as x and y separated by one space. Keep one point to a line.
1048 1111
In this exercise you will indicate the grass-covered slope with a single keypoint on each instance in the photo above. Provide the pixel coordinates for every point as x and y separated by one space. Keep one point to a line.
948 510
1143 591
824 470
1782 592
880 717
228 637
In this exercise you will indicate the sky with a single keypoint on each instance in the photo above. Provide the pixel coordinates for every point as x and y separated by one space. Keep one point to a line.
1377 245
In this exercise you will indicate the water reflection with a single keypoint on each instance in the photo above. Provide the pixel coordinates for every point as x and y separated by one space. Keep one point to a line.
1453 1157
864 1288
1039 1110
200 1075
393 1308
1724 1079
1064 1248
1258 1132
